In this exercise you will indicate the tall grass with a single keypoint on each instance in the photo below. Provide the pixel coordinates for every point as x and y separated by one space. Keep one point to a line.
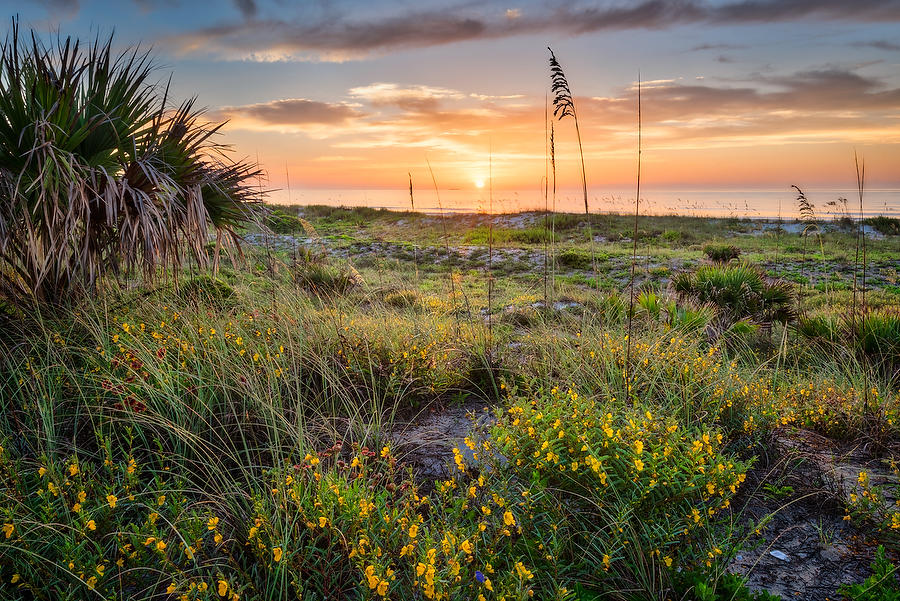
637 201
860 233
564 106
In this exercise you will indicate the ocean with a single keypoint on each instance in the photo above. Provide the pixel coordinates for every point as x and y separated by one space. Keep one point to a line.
759 203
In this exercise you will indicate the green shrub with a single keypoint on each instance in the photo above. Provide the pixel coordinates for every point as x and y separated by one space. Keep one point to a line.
206 290
888 226
818 327
402 298
688 318
283 223
612 489
882 585
877 337
650 303
574 259
721 253
325 279
672 235
738 292
700 585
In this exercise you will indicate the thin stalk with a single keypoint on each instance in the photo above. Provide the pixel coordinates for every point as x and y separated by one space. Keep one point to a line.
412 206
490 265
586 210
778 236
546 199
860 186
270 267
637 202
553 215
446 240
287 176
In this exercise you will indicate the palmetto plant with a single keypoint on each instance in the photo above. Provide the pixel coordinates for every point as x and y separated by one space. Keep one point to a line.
98 173
738 292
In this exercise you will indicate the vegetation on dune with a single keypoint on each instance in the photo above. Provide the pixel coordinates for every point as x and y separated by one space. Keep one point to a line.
241 450
244 435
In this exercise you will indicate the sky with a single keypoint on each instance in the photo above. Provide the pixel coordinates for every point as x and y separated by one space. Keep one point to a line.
359 94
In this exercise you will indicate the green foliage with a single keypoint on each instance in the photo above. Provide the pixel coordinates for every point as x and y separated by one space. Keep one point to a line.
888 226
631 488
878 334
574 259
688 318
882 585
402 298
98 172
738 292
206 290
325 279
699 585
530 235
650 303
283 223
721 253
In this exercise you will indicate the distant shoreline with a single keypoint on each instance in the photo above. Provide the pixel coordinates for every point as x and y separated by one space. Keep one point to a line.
464 212
755 204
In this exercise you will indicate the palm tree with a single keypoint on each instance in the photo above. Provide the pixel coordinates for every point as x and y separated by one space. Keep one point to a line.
99 173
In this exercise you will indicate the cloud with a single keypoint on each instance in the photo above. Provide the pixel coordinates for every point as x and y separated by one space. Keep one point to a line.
60 8
703 47
807 92
342 37
290 113
248 8
880 45
413 98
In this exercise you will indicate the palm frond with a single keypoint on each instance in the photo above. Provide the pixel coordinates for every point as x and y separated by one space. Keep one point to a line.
98 172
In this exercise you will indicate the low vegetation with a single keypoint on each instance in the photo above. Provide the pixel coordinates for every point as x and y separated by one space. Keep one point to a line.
176 428
235 439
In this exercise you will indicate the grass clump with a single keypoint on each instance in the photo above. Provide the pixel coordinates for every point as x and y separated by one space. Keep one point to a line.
738 292
207 290
402 299
530 235
574 259
281 222
326 279
721 253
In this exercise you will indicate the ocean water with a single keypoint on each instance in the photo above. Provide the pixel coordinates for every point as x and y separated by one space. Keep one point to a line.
760 203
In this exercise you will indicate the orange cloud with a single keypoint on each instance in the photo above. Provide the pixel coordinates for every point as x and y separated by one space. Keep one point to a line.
763 131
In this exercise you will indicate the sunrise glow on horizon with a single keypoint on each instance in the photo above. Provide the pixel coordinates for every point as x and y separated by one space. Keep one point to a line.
346 94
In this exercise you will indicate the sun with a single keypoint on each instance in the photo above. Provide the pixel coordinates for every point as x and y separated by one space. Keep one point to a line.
479 183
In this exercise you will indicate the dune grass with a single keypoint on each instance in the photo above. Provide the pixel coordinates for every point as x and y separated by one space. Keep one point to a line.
233 437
